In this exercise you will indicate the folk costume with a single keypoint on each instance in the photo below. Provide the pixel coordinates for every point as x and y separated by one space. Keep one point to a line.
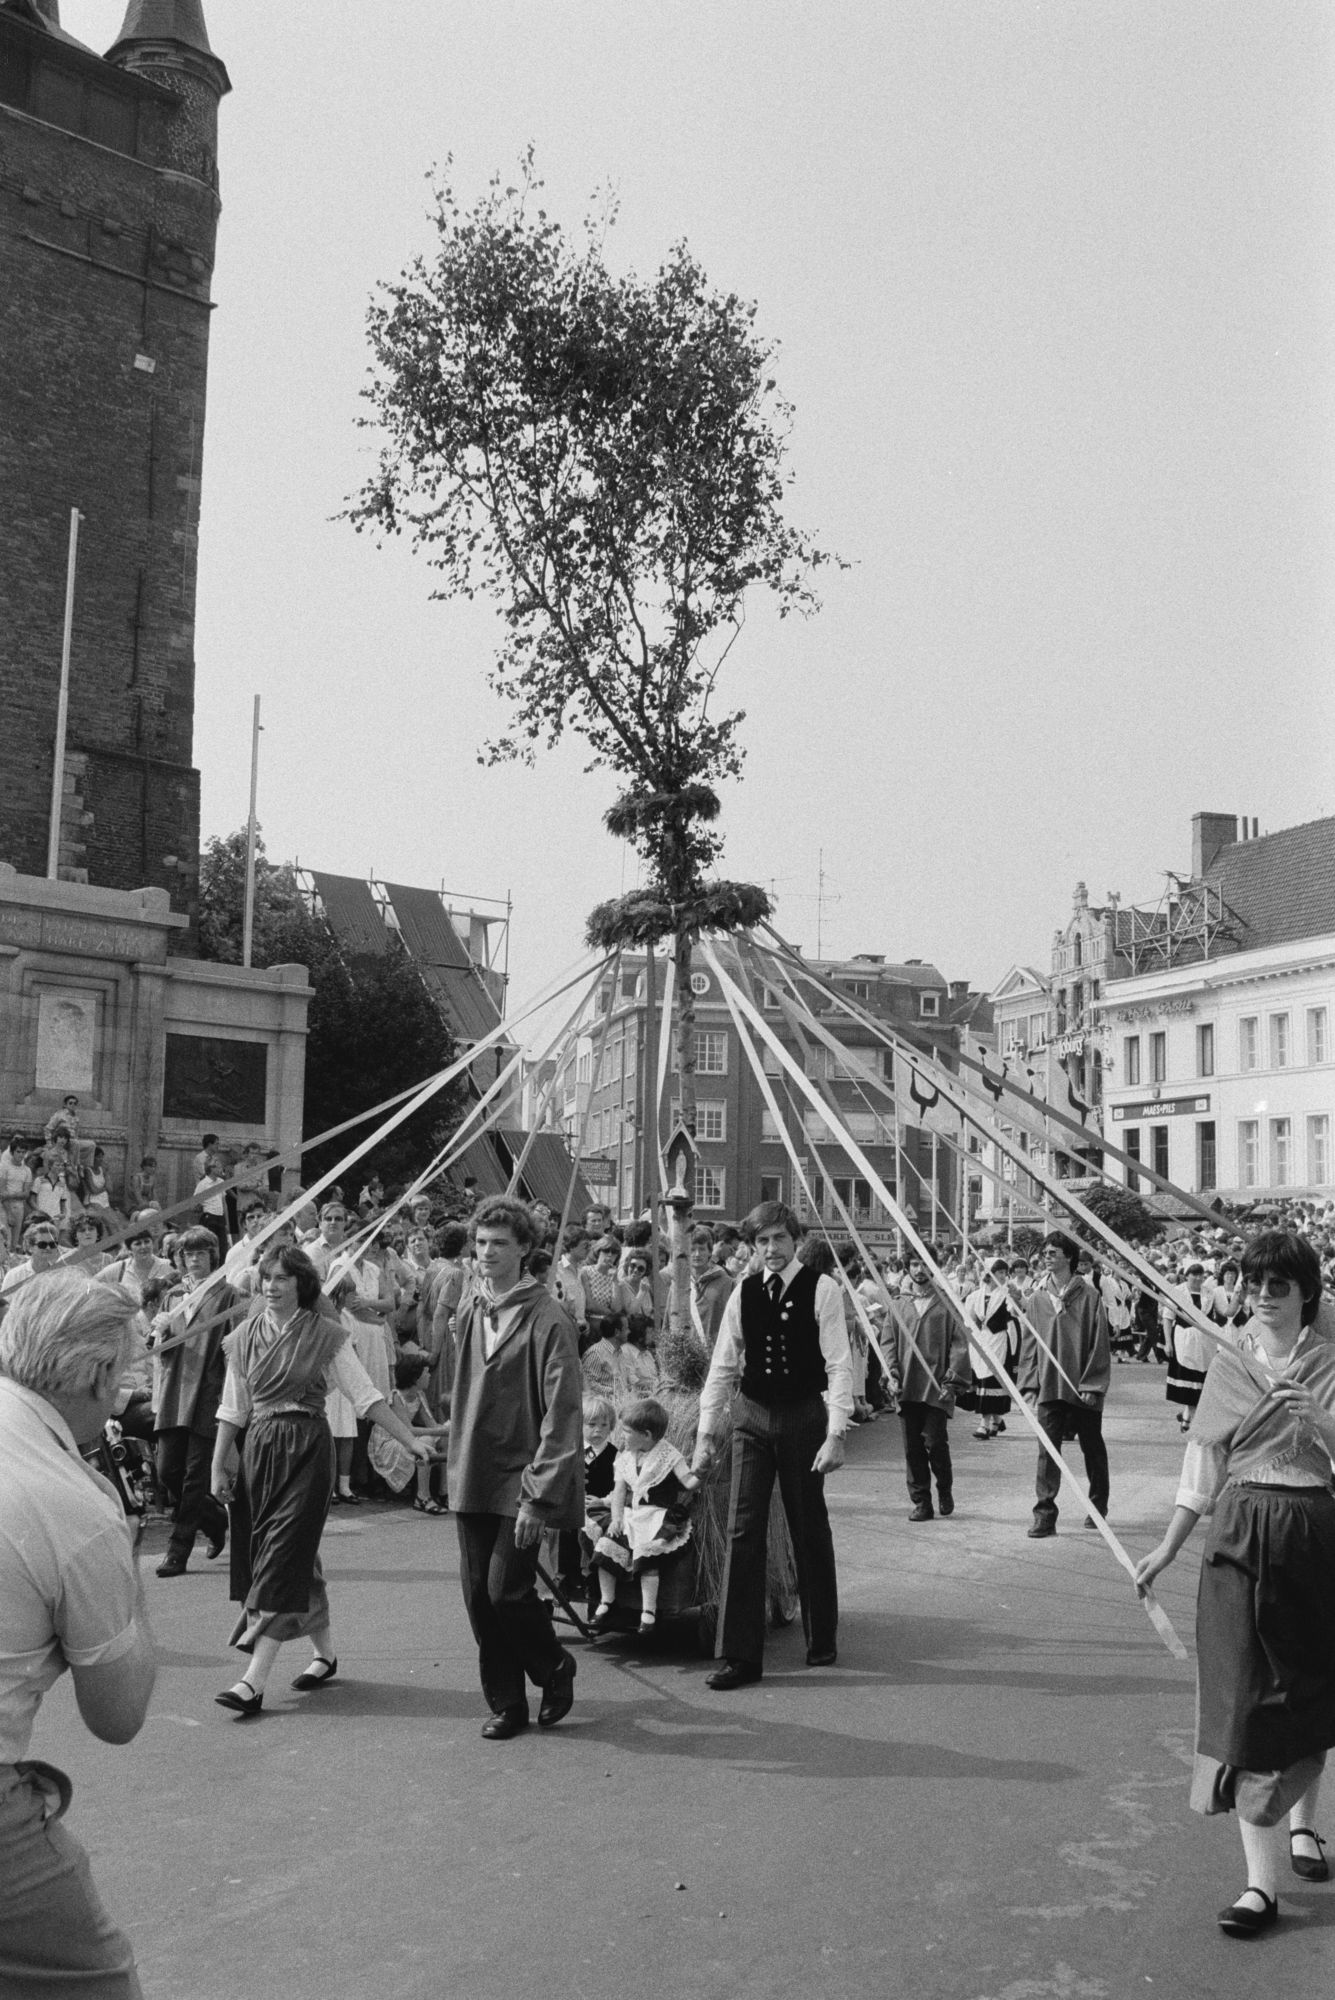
1066 1365
1265 1615
1188 1352
784 1348
516 1439
654 1523
930 1358
278 1380
998 1333
190 1380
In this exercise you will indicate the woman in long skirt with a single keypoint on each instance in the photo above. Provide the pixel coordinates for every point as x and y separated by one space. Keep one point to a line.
280 1367
1188 1349
1259 1465
998 1328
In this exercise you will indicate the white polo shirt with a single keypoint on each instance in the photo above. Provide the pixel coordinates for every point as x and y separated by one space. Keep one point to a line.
67 1582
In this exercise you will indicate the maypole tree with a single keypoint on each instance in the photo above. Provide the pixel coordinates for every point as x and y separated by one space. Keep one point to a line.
603 457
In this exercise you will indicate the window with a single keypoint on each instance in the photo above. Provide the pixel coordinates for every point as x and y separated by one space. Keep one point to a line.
1158 1056
855 1195
814 1125
1205 1056
1131 1145
628 1188
584 1067
769 999
708 1186
711 1052
1281 1149
699 984
858 989
1279 1041
1131 1059
1318 1045
1249 1152
769 1062
711 1118
771 1187
614 1054
929 1006
869 1128
629 985
1318 1149
1159 1149
770 1133
632 1054
1249 1052
1205 1155
1038 1030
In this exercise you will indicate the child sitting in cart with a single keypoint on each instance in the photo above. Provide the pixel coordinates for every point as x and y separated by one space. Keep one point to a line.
650 1519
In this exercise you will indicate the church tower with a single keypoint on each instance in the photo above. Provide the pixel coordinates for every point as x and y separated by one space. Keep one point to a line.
108 218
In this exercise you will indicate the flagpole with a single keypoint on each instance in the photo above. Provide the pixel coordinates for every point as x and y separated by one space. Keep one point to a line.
248 935
62 707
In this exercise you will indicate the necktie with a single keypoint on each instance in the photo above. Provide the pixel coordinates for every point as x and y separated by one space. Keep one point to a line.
774 1285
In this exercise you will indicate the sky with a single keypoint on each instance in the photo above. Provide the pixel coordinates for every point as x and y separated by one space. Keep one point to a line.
1053 288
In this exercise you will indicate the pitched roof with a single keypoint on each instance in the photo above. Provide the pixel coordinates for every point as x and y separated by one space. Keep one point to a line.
1282 885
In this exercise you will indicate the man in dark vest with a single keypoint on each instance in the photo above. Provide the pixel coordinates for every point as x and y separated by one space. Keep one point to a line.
783 1347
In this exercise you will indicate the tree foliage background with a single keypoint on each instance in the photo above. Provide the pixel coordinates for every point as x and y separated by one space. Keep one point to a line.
373 1028
602 456
1123 1211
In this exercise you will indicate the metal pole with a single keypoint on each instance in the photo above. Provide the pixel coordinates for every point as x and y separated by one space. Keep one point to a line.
248 934
62 707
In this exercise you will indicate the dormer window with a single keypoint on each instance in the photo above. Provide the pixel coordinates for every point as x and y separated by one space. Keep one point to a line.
929 1006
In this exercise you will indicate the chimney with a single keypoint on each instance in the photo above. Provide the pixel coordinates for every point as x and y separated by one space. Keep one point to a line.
1209 833
959 989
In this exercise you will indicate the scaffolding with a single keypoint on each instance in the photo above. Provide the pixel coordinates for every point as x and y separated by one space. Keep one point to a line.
1190 923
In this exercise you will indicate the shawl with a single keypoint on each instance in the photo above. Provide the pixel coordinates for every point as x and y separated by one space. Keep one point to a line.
653 1467
1256 1430
285 1365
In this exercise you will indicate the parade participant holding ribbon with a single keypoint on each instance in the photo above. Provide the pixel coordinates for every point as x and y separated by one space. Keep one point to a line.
783 1347
1259 1465
280 1367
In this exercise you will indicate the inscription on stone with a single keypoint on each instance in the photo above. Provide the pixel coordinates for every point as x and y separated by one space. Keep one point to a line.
86 936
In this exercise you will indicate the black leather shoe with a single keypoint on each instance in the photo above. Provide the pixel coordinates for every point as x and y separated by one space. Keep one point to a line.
312 1677
510 1722
732 1674
1041 1530
1312 1867
1241 1921
558 1697
215 1545
241 1699
945 1505
825 1659
922 1512
170 1566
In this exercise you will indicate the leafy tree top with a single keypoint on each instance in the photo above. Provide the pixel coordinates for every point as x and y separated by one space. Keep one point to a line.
600 454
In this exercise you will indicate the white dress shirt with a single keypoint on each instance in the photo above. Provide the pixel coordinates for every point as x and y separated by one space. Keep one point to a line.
725 1367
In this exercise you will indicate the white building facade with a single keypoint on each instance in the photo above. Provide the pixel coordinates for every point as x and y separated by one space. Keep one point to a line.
1220 1075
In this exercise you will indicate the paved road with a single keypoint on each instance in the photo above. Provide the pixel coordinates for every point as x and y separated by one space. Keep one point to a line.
984 1800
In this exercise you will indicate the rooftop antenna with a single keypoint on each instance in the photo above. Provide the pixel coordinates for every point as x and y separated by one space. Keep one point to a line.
823 896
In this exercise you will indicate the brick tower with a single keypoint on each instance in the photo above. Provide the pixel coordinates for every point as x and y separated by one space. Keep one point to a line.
108 217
